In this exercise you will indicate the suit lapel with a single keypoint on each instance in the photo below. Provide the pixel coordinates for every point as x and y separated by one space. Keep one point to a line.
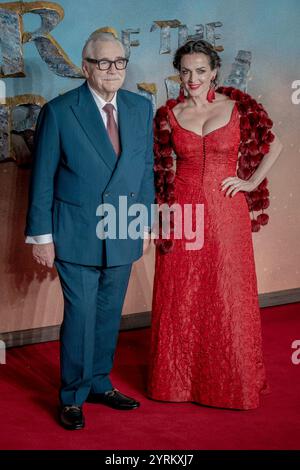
127 131
126 123
90 120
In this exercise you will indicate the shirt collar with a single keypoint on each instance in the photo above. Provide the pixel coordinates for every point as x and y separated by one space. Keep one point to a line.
100 101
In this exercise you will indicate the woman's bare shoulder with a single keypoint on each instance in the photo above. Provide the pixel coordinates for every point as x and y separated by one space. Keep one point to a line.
221 98
178 108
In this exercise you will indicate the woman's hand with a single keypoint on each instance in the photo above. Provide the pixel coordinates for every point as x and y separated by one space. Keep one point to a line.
233 185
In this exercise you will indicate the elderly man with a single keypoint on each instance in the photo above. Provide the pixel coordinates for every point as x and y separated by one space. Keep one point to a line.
92 145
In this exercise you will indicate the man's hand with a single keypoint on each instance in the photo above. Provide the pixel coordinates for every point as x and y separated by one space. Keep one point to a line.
44 254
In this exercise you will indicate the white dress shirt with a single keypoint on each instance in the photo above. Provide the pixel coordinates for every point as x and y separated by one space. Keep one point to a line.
100 102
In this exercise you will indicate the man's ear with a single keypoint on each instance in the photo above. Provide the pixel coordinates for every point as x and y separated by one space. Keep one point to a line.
85 69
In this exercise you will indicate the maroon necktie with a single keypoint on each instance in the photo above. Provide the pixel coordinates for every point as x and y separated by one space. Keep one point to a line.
112 128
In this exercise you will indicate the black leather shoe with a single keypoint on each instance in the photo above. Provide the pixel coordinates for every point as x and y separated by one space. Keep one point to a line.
114 399
71 417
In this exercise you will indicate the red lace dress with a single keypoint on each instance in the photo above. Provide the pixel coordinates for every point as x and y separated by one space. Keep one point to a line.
206 330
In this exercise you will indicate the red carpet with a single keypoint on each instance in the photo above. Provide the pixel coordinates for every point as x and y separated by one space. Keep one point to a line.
30 379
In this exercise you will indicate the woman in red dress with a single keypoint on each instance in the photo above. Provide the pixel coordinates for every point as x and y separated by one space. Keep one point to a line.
206 330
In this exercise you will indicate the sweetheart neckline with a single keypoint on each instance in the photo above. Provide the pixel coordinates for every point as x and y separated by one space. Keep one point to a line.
211 132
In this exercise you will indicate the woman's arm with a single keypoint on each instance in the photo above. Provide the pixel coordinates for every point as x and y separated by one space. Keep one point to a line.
233 184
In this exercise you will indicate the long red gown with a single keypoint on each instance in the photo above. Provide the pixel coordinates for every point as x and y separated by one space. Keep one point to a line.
206 331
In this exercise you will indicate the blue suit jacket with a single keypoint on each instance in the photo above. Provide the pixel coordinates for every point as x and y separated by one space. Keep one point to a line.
75 169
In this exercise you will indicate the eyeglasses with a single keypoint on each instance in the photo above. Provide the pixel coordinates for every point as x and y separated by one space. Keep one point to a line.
105 64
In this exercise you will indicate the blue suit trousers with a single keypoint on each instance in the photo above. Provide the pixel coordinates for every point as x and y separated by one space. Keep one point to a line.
93 301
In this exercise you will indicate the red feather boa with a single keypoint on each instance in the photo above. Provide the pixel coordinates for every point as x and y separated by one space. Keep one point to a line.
256 137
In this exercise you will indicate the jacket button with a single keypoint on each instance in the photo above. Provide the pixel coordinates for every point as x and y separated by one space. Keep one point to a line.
132 194
106 194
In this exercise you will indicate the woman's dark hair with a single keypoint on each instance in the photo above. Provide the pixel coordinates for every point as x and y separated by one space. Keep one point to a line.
195 46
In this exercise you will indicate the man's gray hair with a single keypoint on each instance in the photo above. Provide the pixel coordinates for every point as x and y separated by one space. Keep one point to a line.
101 37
